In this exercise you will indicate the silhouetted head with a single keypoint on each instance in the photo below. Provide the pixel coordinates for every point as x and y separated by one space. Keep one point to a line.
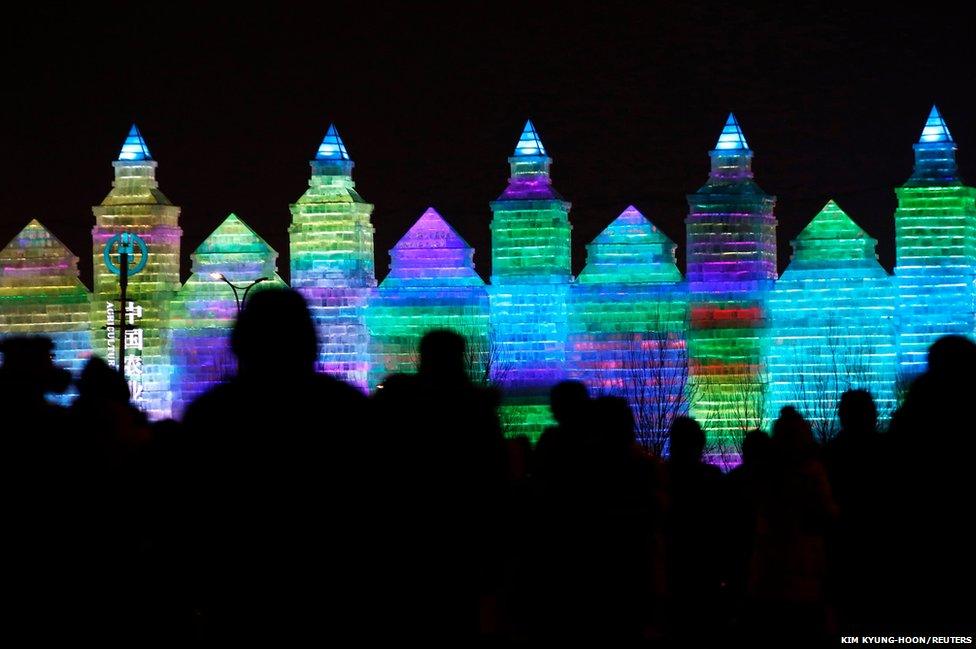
102 382
613 416
687 440
442 356
28 366
274 337
568 401
857 412
792 437
952 357
755 447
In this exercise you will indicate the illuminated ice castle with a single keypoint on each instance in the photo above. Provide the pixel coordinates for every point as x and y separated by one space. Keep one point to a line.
729 342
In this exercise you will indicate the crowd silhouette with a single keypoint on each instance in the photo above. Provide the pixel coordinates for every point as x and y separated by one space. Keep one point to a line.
286 507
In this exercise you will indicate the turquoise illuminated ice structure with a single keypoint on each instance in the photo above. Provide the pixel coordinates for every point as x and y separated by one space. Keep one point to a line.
935 239
628 323
432 284
751 342
529 292
204 311
833 313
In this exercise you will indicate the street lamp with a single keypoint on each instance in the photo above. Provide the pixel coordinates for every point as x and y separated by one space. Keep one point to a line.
239 298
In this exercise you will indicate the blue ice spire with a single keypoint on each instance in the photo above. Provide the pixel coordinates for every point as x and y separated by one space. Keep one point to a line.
529 143
332 147
134 148
935 130
731 137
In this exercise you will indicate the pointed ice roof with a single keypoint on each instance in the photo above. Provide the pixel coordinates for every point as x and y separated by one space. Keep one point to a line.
233 236
630 250
36 252
332 147
632 227
731 137
134 148
431 254
529 143
935 131
430 231
833 236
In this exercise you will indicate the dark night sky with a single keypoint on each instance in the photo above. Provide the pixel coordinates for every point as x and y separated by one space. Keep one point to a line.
627 98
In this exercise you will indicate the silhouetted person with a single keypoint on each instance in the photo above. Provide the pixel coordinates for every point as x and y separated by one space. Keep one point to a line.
276 489
854 460
930 488
110 438
789 562
693 529
444 464
741 494
561 448
41 584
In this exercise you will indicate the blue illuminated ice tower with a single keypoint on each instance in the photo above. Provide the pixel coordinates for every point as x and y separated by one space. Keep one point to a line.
731 265
531 276
331 242
935 239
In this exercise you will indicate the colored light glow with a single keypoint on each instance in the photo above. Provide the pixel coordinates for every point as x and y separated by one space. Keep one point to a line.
935 240
40 294
833 313
529 143
136 205
628 321
935 129
432 284
530 281
331 243
731 233
134 148
731 137
204 311
332 147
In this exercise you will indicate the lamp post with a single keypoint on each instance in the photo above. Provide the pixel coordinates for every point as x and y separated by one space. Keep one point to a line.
240 299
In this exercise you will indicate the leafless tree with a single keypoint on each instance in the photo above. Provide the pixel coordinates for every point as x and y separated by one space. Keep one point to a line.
731 407
822 373
650 371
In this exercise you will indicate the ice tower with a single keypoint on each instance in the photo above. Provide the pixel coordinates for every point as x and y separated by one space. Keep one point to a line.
529 293
935 240
731 269
136 205
332 261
